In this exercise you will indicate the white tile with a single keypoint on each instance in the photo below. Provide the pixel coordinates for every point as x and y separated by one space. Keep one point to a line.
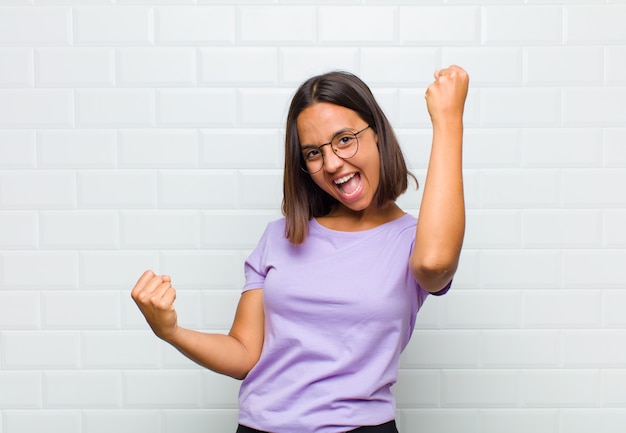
195 421
95 268
593 268
36 349
589 24
51 421
100 25
17 149
277 24
214 107
240 66
438 420
234 229
501 269
36 26
581 420
37 189
17 67
121 420
144 389
519 349
19 230
43 108
367 24
39 270
219 307
82 229
563 66
75 67
19 309
204 270
241 148
492 148
20 390
614 231
160 229
509 107
220 391
492 229
156 67
613 302
195 24
261 189
263 107
98 189
486 66
497 388
593 349
158 148
518 420
195 189
115 107
616 65
71 310
418 388
561 229
72 149
614 149
412 66
82 389
458 25
298 64
594 106
524 25
117 350
473 309
442 349
562 147
592 188
560 388
563 308
539 188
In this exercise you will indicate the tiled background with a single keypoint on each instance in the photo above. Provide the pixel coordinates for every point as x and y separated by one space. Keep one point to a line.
148 134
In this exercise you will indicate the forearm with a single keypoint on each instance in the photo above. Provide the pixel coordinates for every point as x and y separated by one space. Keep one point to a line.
441 222
220 353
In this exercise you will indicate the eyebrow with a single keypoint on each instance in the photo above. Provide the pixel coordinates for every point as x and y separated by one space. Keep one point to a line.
313 146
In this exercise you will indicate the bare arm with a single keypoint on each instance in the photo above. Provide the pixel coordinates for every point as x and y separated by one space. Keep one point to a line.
233 354
441 222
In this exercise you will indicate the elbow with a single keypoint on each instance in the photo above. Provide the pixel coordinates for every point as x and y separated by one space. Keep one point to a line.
239 374
433 274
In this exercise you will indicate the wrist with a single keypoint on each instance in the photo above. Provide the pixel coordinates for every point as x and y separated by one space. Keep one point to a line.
448 123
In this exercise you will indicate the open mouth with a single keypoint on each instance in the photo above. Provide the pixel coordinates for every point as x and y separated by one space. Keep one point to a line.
349 185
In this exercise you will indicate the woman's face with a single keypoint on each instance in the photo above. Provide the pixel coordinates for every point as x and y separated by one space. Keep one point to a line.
353 182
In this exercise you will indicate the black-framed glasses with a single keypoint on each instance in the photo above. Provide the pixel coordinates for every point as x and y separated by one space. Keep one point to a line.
345 145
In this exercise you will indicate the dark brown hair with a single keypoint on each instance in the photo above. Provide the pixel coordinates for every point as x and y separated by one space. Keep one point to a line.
302 198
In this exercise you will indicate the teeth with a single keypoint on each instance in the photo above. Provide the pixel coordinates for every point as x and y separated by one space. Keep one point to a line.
344 179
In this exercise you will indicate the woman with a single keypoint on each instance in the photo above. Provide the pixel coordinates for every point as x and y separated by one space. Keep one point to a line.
332 289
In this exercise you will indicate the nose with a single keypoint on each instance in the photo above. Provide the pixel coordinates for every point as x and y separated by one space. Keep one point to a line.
331 161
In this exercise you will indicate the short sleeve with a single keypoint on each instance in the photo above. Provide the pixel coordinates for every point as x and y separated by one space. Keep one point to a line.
255 268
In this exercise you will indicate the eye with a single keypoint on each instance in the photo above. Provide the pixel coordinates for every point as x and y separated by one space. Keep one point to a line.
312 154
344 140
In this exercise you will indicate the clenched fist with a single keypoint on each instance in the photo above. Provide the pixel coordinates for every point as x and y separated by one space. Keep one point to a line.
154 295
445 97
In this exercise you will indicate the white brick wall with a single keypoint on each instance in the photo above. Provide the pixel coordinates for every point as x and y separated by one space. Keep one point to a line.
138 134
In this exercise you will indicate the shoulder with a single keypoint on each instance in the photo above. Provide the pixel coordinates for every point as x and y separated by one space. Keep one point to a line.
274 232
406 222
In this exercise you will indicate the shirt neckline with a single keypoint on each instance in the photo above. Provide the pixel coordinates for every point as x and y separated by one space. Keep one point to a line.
315 225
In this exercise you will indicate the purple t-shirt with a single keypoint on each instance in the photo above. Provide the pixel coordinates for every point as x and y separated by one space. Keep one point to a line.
339 310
